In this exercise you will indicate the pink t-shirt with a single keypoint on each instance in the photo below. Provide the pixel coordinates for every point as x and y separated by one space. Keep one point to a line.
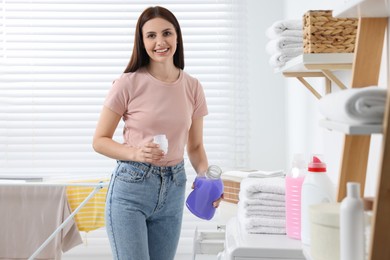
150 107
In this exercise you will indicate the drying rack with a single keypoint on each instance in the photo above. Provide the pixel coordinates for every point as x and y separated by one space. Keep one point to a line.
97 188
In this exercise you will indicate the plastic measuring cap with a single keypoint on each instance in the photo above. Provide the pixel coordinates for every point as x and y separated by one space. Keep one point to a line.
316 164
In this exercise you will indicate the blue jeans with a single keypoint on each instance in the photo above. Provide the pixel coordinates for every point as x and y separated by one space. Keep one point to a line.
144 210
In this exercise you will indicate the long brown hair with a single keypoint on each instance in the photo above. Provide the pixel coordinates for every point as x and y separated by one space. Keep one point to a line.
139 57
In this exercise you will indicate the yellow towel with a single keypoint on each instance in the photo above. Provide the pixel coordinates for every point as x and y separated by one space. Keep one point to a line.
91 216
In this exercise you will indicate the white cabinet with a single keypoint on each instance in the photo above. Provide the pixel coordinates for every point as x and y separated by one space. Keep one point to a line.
243 246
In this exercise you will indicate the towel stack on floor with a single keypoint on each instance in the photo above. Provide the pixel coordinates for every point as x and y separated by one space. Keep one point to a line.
261 208
285 41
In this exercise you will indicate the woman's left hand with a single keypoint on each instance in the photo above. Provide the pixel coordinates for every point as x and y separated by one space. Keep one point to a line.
216 203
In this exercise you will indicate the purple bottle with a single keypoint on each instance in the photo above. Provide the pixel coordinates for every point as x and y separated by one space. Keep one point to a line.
207 189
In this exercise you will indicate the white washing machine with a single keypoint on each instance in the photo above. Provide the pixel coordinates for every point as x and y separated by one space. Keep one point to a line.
242 246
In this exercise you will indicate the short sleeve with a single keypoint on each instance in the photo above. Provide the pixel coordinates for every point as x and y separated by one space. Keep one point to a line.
200 105
118 97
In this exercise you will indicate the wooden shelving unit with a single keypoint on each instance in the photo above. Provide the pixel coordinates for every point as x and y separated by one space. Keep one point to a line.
373 22
366 63
318 65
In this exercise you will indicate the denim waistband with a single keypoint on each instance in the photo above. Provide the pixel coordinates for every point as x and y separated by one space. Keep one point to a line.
162 170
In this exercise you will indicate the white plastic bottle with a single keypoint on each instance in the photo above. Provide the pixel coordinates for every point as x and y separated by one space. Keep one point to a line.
352 224
316 188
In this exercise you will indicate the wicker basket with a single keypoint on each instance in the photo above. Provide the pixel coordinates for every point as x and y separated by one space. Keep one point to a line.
322 33
231 191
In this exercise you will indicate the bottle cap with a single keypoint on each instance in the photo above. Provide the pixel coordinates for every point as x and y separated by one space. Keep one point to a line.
316 165
214 172
353 189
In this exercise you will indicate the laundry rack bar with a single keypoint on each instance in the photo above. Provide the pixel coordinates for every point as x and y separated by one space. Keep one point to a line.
97 188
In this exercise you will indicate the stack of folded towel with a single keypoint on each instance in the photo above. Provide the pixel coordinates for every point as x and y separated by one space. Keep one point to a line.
261 208
285 41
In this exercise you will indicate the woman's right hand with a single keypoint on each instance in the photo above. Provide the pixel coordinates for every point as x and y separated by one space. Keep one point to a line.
150 153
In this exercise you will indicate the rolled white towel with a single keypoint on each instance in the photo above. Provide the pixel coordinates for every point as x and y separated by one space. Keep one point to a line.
279 59
281 43
355 106
288 52
285 28
286 33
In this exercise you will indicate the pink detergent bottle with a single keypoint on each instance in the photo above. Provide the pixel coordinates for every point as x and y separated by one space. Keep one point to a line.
207 189
294 180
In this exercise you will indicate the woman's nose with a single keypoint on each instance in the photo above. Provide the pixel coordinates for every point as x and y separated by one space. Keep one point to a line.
160 41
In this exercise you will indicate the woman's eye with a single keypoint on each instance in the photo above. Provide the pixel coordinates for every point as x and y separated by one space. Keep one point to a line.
151 36
167 33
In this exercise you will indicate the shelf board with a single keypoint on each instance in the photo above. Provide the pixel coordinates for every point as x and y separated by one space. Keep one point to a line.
317 61
362 8
352 129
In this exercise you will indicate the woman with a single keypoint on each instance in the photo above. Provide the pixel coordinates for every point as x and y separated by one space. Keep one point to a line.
154 96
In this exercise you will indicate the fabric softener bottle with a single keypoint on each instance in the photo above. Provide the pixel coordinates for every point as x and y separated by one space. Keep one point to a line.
207 189
294 180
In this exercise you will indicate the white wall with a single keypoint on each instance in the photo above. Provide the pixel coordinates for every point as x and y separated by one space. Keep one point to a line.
266 90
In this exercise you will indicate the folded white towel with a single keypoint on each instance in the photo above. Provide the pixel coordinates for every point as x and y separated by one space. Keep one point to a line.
261 210
251 222
270 185
254 208
285 28
236 176
267 230
265 202
240 175
262 213
281 43
355 106
266 174
262 196
262 225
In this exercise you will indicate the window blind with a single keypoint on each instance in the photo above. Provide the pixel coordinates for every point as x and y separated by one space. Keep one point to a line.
58 60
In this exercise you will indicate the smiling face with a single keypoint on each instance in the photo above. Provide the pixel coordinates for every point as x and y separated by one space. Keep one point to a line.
160 39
